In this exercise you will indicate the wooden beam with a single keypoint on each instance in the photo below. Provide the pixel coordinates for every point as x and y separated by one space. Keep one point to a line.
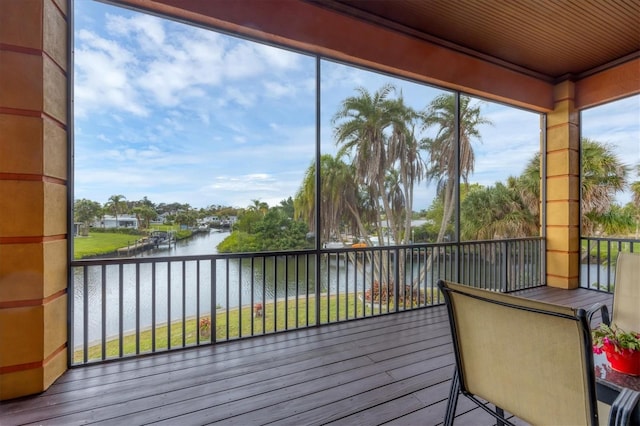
609 85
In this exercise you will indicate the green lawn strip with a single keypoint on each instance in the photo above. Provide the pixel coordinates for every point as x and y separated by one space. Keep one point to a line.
101 243
602 249
164 228
342 308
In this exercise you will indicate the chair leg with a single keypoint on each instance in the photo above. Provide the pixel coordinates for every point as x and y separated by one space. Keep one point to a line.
622 407
454 392
500 412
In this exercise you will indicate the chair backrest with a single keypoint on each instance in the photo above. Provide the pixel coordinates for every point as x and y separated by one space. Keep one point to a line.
530 358
626 296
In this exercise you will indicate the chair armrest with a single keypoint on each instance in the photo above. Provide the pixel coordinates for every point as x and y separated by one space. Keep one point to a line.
604 313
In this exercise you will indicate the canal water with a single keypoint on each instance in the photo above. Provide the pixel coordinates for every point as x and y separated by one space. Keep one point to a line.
201 243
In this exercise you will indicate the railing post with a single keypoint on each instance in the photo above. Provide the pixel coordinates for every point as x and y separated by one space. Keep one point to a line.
396 277
505 270
317 281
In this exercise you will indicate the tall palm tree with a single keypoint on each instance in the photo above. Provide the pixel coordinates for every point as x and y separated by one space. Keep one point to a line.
339 200
404 149
603 175
360 126
376 132
443 147
116 204
528 186
635 191
397 202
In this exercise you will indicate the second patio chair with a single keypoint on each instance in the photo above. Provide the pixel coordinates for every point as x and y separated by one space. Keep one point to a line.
528 358
626 294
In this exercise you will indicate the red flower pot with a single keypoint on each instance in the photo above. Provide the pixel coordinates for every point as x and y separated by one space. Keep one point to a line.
627 361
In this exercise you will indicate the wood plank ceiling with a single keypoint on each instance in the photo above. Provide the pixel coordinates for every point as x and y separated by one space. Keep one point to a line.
548 39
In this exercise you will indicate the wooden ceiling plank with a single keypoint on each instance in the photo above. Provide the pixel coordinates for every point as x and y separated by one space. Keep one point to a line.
577 35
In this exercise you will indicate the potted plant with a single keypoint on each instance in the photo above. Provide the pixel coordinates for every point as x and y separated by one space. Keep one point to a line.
621 347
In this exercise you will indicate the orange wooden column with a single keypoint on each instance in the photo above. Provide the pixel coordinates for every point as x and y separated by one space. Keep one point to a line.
33 194
563 189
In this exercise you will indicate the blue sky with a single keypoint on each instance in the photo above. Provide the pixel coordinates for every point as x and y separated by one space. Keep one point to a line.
181 114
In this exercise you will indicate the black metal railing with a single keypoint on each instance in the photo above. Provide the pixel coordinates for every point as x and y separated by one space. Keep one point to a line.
598 260
128 306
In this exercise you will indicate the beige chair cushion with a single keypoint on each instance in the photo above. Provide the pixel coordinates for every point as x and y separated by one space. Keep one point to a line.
530 364
626 298
603 413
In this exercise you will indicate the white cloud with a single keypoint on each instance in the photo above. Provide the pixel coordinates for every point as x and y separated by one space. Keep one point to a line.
101 79
147 29
240 139
133 65
241 97
277 58
278 90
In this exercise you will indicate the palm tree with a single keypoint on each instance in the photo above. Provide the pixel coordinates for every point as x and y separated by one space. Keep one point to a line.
259 206
443 148
603 175
144 214
115 204
404 148
85 211
496 212
376 133
635 190
361 123
505 211
339 201
528 186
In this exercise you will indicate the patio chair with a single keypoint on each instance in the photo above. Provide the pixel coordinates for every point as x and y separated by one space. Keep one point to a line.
528 358
626 294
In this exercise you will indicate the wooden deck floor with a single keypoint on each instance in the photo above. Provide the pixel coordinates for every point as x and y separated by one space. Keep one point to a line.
394 369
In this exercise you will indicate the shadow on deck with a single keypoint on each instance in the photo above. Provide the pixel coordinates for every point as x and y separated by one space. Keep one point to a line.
394 369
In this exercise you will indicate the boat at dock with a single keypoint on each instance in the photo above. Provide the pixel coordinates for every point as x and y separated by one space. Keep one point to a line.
156 239
162 238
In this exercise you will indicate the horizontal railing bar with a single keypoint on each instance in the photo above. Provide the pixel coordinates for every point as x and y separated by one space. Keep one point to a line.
265 254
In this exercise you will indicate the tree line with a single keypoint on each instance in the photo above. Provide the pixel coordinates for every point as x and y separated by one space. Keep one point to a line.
86 211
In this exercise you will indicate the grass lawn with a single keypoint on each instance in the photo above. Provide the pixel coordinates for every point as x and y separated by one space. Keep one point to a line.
101 243
604 249
235 323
